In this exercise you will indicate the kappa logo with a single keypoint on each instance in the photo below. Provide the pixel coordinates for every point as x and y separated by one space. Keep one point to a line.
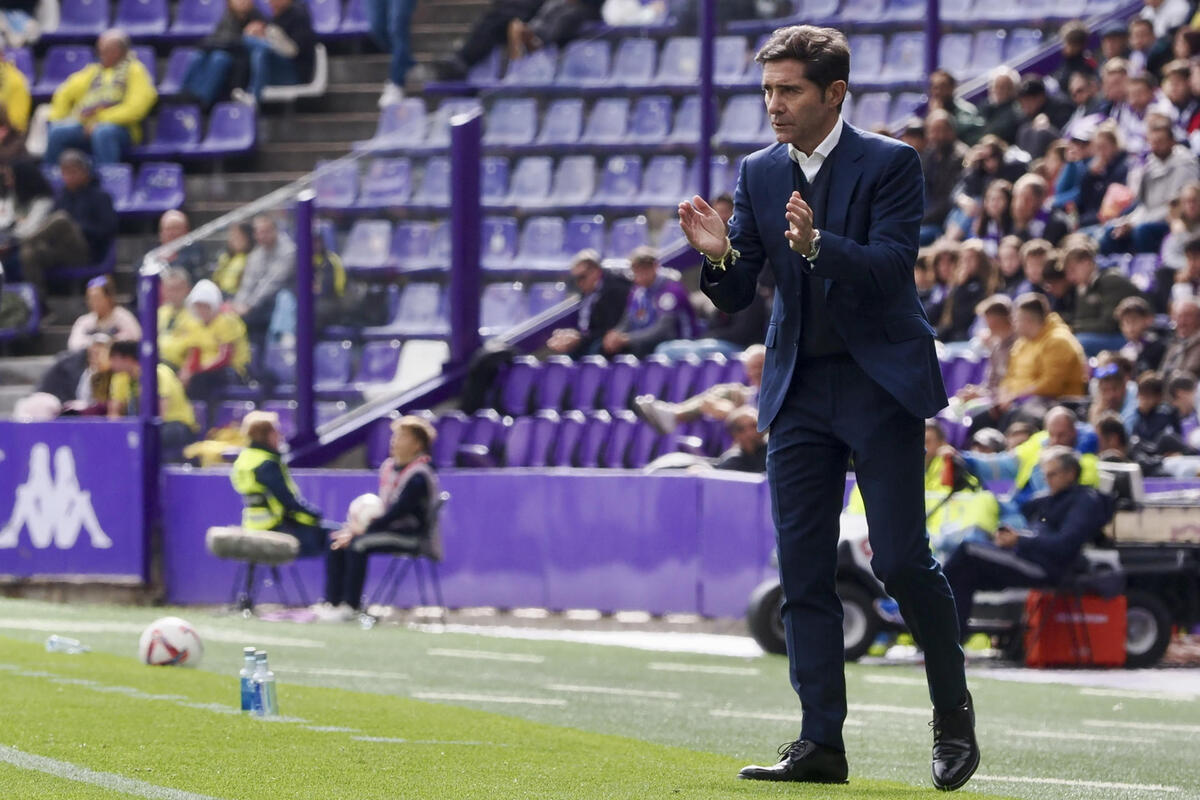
53 507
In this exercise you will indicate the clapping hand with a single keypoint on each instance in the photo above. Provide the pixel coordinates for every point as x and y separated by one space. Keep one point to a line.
703 227
1006 537
800 224
340 539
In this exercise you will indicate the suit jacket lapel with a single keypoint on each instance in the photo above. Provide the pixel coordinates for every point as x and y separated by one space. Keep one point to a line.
844 160
779 188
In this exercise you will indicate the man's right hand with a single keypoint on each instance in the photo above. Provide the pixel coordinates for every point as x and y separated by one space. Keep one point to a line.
703 227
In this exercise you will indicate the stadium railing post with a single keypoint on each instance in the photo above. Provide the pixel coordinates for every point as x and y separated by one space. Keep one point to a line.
148 280
708 101
465 222
933 34
305 321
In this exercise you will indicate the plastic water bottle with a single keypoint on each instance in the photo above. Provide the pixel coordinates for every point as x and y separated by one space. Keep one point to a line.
266 704
246 677
64 644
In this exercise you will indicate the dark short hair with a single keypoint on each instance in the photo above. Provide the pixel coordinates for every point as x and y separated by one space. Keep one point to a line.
1133 305
1192 245
1110 424
1182 381
945 73
124 349
1034 303
824 52
1074 31
1151 383
1033 86
643 255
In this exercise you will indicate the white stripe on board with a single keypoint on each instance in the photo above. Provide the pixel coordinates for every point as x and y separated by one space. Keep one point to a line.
772 716
896 680
614 690
486 655
1140 787
207 632
1082 737
1158 727
1135 695
667 666
105 780
344 673
489 698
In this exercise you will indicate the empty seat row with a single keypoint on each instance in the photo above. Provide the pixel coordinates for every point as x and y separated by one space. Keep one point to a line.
967 55
175 132
420 309
953 11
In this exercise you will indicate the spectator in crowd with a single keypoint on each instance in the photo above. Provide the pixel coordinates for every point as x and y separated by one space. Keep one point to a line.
1169 168
104 316
79 379
79 230
219 351
1181 393
12 141
1076 60
1008 263
178 427
1035 255
172 226
995 218
1133 116
1177 102
1112 438
1108 392
1058 289
658 310
749 450
176 325
974 280
1061 523
223 60
26 199
1047 360
988 440
942 165
521 24
723 333
605 295
1098 293
988 161
15 99
997 314
964 116
1183 353
271 501
270 267
101 107
1030 218
723 205
1183 219
1152 418
1001 114
239 241
1076 151
1141 43
1165 15
282 51
1143 346
1187 280
409 489
1084 91
1114 43
391 21
1035 102
944 258
329 288
1108 165
717 402
19 23
1114 86
913 134
929 290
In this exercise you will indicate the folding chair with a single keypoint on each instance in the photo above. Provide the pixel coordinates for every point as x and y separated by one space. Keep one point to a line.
422 562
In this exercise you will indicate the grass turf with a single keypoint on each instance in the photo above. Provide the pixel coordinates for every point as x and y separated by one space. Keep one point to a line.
664 730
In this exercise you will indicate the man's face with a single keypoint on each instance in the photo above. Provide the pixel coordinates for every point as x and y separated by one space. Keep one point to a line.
1185 401
797 107
1028 325
1034 267
924 278
644 273
1031 104
1080 270
97 356
1026 202
110 51
74 176
745 434
278 5
1113 45
1080 89
265 233
1134 326
1002 89
1176 88
998 325
122 364
1115 86
932 442
171 227
174 292
1058 478
586 277
1061 430
1140 96
754 369
1111 393
1161 142
1187 320
1193 266
1015 437
241 7
941 88
940 132
1141 37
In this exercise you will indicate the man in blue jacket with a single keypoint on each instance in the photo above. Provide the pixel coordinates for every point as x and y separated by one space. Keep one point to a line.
850 369
1062 521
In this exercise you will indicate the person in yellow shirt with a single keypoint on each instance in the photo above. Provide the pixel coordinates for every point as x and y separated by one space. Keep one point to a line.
14 95
232 261
175 323
100 108
218 348
178 417
1047 360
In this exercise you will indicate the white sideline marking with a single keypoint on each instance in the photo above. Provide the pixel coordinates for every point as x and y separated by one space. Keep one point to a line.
331 729
105 780
772 716
866 708
1082 737
712 644
895 680
206 632
395 740
485 655
1126 695
489 698
1162 727
346 673
669 666
614 690
1141 787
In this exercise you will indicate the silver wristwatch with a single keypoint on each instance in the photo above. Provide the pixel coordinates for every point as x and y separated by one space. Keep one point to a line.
814 249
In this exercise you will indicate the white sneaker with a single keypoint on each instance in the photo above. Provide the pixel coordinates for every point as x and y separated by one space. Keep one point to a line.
330 613
659 414
392 94
240 95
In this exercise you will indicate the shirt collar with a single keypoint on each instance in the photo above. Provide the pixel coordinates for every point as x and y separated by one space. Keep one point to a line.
823 149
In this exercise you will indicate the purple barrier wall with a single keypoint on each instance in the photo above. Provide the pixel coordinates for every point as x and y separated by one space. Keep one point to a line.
71 499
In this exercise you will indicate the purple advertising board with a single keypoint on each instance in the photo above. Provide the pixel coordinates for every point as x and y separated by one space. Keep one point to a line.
71 499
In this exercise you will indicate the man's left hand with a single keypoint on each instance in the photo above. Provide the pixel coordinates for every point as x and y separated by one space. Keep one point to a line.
340 539
1006 538
800 224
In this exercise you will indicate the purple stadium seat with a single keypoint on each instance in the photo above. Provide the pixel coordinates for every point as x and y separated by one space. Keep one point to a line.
585 233
862 10
743 122
635 62
957 10
618 387
570 433
232 130
145 54
562 122
502 306
386 183
58 64
410 246
686 126
487 71
438 134
79 19
735 370
367 245
451 427
905 59
713 368
905 10
682 379
626 236
557 373
867 64
434 188
541 245
621 181
520 379
439 245
141 18
499 242
538 446
231 412
608 121
280 363
586 62
354 18
730 60
591 372
487 428
117 180
159 187
954 54
871 110
595 436
22 59
177 65
531 181
326 16
663 183
421 311
400 125
332 364
195 19
30 328
987 50
336 184
518 446
544 296
379 362
493 180
651 120
1022 42
176 132
620 435
535 69
905 105
643 446
680 62
511 121
286 409
574 181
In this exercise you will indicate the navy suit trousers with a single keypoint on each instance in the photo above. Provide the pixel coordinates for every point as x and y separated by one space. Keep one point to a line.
833 410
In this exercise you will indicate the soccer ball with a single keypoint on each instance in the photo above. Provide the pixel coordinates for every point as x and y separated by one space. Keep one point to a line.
363 510
170 642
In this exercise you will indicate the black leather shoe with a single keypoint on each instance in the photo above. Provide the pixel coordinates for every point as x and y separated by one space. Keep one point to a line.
955 751
804 762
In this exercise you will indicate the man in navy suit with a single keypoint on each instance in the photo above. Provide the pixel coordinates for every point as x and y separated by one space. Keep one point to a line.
850 371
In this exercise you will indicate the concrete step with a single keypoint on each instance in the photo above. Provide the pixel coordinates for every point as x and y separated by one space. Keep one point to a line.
358 69
10 394
342 98
452 12
24 370
349 126
296 156
240 187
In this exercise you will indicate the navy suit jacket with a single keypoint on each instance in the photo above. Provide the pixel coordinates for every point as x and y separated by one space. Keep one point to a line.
868 248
